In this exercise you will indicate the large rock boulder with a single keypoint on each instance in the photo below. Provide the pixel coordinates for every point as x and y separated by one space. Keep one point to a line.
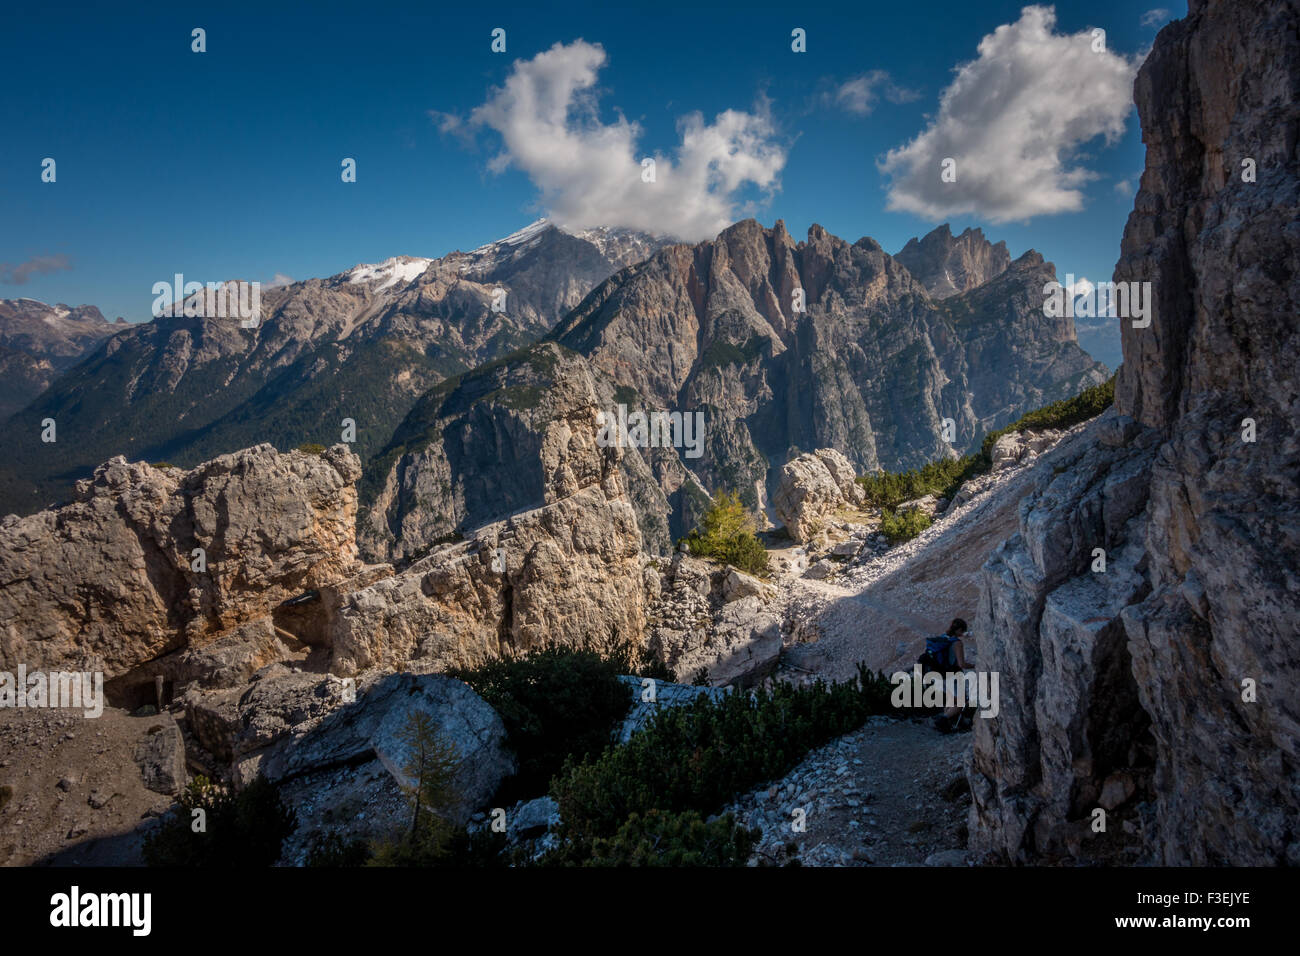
372 728
812 488
110 581
714 618
1015 448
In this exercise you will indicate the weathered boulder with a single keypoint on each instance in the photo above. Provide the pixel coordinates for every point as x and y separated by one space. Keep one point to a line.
1015 448
108 582
371 728
279 701
813 486
160 755
714 618
738 584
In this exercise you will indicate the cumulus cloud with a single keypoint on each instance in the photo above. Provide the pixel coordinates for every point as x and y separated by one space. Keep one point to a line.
1013 120
589 172
277 280
1124 187
1153 18
860 94
19 273
1080 286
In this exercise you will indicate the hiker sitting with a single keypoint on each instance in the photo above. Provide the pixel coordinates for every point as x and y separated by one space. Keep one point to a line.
945 654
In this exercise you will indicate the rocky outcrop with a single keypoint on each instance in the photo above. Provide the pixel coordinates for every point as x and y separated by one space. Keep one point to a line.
1161 688
713 619
565 568
1016 448
371 728
567 573
169 580
112 580
948 265
813 487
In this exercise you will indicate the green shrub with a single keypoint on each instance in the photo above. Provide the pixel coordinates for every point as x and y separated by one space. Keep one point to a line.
1066 413
333 851
244 829
311 448
697 757
727 534
903 525
660 838
942 478
556 703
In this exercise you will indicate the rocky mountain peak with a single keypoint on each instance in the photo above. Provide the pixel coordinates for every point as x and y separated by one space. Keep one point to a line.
38 342
948 265
362 344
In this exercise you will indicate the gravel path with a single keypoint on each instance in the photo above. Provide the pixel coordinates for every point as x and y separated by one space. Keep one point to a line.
891 794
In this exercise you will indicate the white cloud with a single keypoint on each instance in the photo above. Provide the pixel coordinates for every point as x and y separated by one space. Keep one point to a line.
589 172
1080 286
1154 18
1013 119
1124 187
860 94
278 280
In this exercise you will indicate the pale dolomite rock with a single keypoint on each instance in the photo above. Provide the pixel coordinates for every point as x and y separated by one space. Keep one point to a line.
569 570
106 582
717 619
810 491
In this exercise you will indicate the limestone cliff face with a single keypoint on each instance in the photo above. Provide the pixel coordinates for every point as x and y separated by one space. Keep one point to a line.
1131 689
510 437
787 346
108 581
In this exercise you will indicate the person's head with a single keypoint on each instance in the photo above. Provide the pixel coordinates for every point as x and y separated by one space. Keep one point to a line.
957 628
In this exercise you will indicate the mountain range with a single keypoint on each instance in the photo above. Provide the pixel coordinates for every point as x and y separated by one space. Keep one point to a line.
782 345
39 342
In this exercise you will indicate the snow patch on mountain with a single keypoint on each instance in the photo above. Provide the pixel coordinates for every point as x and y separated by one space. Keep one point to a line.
390 272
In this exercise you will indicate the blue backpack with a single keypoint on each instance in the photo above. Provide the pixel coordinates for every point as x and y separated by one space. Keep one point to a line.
939 654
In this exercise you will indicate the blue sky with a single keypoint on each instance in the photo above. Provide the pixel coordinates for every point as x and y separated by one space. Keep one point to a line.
226 164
